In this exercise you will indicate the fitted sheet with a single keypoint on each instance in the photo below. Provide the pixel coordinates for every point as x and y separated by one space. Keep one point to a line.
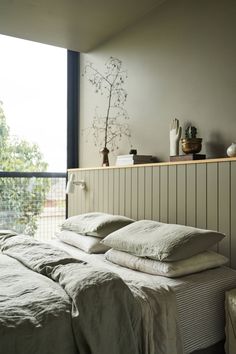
200 297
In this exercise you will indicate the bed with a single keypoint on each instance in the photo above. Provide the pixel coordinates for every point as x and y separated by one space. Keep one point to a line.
199 298
45 307
47 292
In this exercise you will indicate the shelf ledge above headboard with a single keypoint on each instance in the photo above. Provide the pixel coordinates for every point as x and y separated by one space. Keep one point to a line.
168 163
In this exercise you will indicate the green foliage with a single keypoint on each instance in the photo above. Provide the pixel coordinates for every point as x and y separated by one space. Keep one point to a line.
190 132
21 199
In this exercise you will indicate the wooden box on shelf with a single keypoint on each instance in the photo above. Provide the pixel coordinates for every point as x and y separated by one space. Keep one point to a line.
188 157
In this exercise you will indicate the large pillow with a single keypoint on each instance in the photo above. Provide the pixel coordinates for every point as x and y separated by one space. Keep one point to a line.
194 264
88 244
163 242
95 224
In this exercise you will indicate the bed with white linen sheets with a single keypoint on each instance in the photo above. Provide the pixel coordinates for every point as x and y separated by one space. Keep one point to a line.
200 297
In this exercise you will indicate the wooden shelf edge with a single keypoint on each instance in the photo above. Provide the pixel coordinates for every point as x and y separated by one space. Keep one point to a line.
223 159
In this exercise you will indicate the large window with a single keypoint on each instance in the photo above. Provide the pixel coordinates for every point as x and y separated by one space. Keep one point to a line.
33 90
33 136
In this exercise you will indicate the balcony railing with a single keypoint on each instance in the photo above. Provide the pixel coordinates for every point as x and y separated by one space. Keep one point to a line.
32 203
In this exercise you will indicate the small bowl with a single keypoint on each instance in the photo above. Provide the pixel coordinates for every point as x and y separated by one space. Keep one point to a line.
191 146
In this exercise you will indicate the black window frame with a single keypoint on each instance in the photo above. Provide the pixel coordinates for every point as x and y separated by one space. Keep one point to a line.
73 80
73 94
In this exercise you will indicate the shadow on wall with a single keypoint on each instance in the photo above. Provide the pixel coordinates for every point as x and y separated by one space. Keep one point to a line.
216 146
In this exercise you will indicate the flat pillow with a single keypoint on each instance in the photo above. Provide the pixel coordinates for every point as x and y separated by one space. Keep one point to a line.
163 242
194 264
87 244
95 224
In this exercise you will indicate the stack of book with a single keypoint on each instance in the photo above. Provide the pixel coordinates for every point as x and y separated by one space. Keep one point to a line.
123 160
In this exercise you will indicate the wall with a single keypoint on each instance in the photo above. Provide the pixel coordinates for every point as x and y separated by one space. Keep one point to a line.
181 63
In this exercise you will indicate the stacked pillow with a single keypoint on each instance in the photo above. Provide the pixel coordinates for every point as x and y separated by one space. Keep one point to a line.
85 231
164 249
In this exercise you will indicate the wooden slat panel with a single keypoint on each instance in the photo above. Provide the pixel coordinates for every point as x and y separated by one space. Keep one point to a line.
233 215
148 193
128 193
191 195
81 199
134 201
81 192
96 190
100 190
156 193
224 207
201 195
111 192
172 195
116 192
73 202
164 194
141 193
90 187
212 199
105 192
181 194
79 177
122 192
86 194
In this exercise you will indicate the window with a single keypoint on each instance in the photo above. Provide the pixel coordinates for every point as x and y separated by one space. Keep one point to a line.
33 136
33 89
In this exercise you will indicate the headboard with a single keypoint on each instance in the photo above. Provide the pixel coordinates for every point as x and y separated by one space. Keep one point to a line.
196 193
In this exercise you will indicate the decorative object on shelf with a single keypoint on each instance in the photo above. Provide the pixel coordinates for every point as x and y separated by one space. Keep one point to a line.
133 152
231 151
191 144
175 134
110 126
105 160
133 159
188 157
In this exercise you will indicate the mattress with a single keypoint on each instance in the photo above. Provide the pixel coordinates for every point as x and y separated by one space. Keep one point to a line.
200 297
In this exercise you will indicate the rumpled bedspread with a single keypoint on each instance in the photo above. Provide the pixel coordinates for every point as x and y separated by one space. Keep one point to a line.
53 303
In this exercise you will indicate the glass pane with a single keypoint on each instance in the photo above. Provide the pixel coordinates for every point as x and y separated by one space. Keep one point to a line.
33 90
33 118
33 206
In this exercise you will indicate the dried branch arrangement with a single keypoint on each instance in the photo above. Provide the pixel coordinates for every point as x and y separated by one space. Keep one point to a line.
110 127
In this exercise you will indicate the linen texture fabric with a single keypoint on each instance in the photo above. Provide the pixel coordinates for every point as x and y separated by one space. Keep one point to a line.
160 241
95 224
202 261
88 244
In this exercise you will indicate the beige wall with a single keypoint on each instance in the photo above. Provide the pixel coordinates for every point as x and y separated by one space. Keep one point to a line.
181 63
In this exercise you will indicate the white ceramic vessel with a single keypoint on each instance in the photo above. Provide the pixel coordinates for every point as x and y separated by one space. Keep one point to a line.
231 151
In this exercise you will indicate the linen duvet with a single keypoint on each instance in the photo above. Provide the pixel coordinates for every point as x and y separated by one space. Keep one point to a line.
53 303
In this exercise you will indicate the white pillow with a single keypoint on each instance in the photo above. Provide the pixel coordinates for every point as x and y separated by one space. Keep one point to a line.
194 264
95 224
87 244
163 242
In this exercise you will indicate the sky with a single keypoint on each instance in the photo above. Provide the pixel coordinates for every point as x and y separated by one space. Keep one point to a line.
33 89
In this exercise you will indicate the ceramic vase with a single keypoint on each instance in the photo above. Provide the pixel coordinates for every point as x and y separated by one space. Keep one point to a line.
231 151
105 160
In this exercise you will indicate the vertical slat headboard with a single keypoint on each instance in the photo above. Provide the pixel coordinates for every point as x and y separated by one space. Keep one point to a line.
200 194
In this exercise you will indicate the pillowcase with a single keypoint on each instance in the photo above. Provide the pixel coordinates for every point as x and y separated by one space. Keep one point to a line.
7 233
163 242
87 244
95 224
194 264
